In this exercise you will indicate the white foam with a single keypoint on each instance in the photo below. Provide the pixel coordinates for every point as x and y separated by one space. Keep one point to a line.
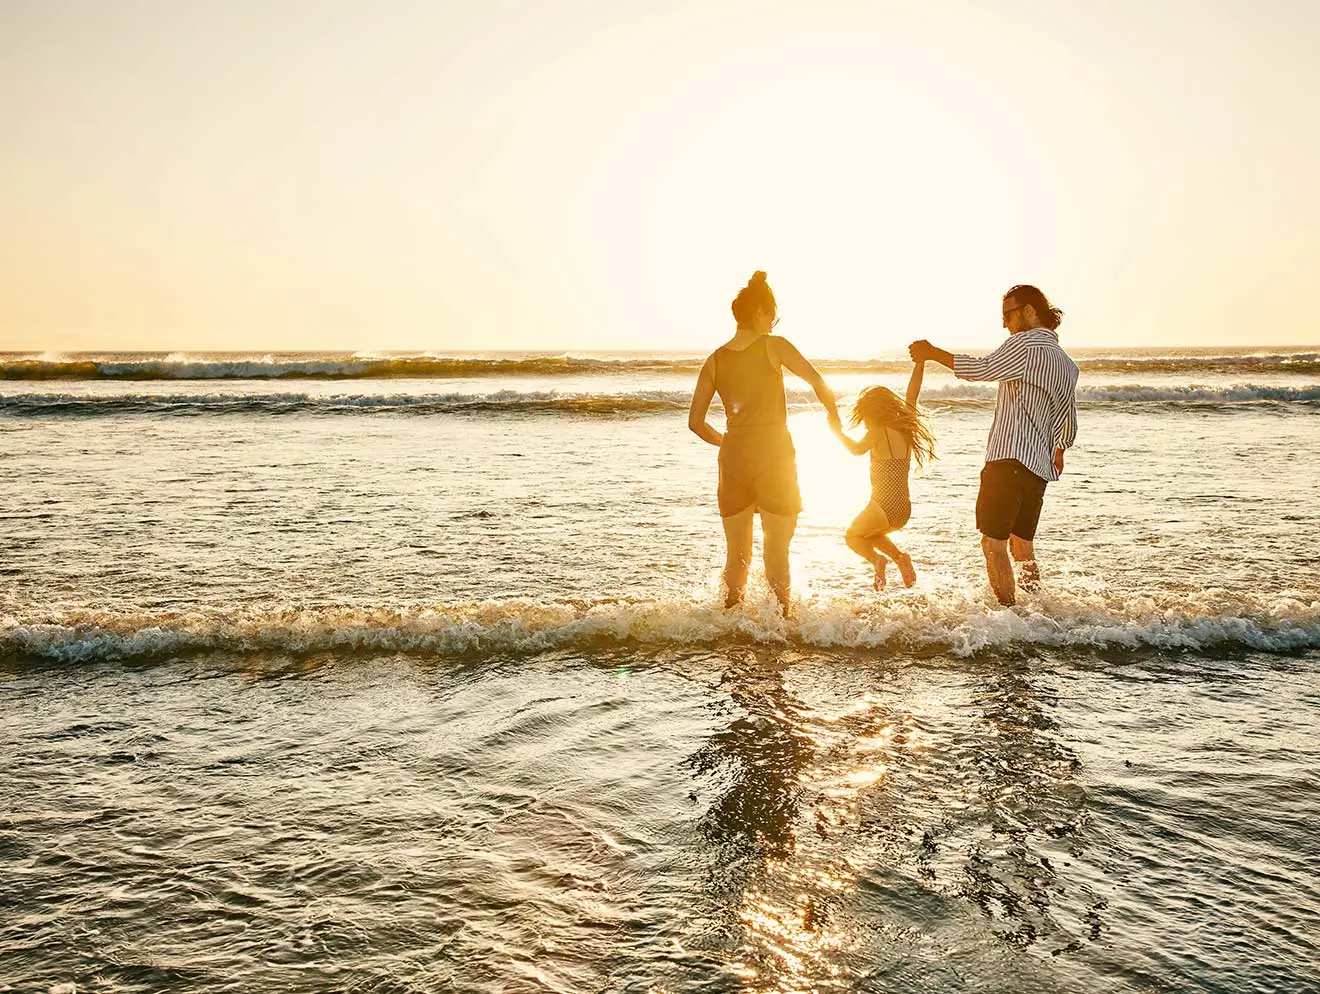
368 363
960 623
1136 393
588 402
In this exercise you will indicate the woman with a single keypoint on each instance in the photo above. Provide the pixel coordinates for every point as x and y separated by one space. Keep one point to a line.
758 466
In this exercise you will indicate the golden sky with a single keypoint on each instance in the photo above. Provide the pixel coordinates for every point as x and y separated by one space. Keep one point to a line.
324 174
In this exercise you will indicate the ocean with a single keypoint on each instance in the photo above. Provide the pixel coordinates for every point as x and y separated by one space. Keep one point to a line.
408 673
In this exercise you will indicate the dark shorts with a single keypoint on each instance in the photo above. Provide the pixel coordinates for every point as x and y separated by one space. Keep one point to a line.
1009 501
759 468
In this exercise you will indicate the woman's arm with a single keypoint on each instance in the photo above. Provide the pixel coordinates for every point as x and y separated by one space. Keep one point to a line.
914 384
701 398
792 359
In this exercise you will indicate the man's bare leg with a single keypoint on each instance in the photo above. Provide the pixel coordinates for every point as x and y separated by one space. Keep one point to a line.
1024 553
999 569
738 554
777 532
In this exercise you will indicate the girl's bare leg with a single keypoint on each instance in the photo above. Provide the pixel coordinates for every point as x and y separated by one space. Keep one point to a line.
861 537
777 533
901 559
738 554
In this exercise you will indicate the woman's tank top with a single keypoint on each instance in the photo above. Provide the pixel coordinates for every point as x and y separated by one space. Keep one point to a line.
751 387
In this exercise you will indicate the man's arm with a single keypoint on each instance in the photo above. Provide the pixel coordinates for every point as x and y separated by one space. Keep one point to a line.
1066 431
1069 433
1008 362
923 351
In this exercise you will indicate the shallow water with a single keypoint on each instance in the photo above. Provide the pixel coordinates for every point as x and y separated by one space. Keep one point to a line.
757 818
379 700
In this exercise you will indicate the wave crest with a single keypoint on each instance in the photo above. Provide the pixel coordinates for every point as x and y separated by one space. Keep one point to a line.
588 404
1287 622
508 401
368 366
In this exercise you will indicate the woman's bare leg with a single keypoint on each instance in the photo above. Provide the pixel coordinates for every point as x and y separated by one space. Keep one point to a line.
777 533
738 554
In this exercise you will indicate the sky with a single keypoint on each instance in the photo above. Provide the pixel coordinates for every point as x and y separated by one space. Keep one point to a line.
606 174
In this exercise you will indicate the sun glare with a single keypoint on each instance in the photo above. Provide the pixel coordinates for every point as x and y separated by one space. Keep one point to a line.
865 205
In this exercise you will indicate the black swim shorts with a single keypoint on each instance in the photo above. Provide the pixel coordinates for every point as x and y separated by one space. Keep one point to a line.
1010 500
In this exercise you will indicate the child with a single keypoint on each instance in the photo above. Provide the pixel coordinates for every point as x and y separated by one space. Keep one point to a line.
895 431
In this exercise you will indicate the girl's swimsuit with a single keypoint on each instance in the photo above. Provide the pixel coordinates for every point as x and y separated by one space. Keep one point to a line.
758 465
889 480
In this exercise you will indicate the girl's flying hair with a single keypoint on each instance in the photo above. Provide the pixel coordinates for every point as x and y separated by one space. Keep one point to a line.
879 407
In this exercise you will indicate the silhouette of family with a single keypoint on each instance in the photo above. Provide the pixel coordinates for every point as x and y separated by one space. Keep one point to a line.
1035 421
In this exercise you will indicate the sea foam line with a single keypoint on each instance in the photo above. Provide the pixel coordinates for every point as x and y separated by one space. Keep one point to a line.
1286 622
555 402
440 366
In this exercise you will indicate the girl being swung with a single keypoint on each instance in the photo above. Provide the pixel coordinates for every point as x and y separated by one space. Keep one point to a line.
895 432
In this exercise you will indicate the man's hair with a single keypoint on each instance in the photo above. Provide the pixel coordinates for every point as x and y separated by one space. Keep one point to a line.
1046 313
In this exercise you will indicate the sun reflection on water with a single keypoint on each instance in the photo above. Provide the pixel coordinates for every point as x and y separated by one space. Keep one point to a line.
845 814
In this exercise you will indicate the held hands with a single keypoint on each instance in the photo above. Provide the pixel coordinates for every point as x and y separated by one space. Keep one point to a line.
921 351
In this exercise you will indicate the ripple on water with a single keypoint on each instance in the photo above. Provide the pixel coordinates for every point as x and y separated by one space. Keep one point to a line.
757 818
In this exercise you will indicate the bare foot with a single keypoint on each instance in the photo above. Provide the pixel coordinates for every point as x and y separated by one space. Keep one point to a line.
904 564
880 563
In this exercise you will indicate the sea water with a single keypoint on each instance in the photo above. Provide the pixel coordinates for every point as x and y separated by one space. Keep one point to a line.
408 673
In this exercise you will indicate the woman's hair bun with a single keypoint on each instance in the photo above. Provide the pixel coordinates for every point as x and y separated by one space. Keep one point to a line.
755 296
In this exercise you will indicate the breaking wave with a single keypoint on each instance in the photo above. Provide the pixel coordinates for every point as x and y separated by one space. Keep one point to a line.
349 367
1135 393
591 404
329 368
502 401
1282 623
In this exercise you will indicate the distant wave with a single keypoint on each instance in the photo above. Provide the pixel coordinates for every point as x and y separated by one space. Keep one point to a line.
1135 393
966 625
502 401
346 368
588 404
451 367
1293 362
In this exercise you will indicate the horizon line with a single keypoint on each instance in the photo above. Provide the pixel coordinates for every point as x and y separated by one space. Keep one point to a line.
554 351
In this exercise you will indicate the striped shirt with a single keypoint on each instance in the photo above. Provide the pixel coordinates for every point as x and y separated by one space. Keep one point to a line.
1036 410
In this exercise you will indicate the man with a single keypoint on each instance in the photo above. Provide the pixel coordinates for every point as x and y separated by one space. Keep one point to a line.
1035 421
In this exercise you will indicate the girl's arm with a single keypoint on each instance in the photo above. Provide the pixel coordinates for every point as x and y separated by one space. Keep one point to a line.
914 384
856 448
790 357
701 398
